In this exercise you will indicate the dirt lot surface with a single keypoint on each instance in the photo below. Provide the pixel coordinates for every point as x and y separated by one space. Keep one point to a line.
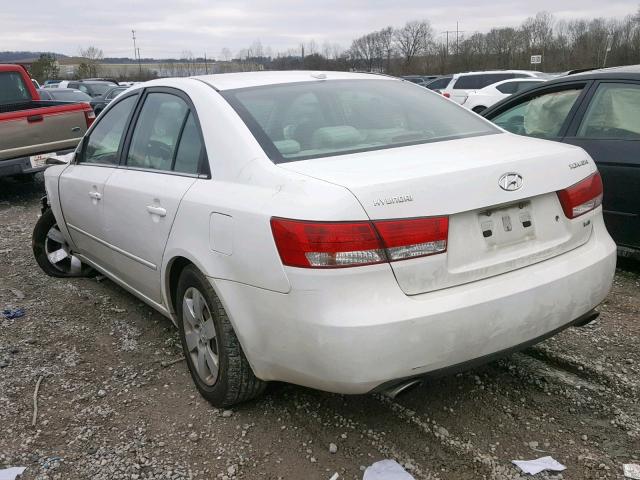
108 409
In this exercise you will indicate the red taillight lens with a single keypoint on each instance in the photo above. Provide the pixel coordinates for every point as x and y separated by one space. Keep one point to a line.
89 116
348 244
415 237
326 244
446 94
582 197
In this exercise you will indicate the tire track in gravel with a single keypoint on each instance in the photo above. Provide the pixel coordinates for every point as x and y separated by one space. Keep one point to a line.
431 450
580 391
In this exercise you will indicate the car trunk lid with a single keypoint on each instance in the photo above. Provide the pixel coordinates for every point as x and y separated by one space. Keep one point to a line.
491 230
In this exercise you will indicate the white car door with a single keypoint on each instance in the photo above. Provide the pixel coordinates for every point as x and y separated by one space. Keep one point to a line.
163 160
82 183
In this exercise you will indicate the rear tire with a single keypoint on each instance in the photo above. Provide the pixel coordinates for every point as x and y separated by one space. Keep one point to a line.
213 353
49 245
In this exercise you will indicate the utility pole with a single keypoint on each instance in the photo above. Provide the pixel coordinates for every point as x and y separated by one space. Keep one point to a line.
206 70
136 52
607 49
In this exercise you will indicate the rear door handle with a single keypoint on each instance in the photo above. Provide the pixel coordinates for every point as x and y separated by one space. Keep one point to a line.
95 195
154 210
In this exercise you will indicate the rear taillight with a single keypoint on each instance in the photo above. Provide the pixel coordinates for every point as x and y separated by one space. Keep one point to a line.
348 244
89 116
582 197
446 94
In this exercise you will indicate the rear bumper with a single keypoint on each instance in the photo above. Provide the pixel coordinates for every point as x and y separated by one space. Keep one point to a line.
352 332
22 165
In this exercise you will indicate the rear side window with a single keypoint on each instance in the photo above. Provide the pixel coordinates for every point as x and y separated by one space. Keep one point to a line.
542 116
306 120
12 88
614 113
480 80
508 88
439 84
104 140
190 148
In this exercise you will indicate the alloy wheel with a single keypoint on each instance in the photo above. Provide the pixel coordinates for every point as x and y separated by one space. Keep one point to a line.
200 336
59 254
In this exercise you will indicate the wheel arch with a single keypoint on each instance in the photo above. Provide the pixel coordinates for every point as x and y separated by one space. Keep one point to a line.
172 270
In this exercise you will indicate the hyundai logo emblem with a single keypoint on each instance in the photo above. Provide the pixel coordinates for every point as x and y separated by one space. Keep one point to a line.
510 181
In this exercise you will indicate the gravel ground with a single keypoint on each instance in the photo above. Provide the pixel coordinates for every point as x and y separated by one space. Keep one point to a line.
109 409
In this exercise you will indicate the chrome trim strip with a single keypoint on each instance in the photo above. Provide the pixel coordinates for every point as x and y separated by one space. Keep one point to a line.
114 248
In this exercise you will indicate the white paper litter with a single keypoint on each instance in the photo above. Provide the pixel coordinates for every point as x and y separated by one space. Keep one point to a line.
536 466
386 470
11 473
631 470
335 476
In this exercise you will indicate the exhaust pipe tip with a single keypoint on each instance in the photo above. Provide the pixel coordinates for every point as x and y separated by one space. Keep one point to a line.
587 318
401 387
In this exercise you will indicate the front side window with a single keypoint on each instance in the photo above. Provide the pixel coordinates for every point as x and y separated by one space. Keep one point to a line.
157 132
317 119
104 140
614 113
542 116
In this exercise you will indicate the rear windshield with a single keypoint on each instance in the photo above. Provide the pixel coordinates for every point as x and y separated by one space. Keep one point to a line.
99 88
70 96
12 88
299 121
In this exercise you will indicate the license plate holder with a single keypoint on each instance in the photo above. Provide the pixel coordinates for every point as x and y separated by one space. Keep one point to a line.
39 161
507 224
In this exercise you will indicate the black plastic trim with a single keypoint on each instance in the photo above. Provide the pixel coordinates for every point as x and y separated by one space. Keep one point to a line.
468 365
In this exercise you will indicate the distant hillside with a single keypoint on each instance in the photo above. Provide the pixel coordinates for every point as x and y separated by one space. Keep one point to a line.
17 56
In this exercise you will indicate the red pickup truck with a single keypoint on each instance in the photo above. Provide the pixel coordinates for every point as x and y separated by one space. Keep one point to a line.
32 130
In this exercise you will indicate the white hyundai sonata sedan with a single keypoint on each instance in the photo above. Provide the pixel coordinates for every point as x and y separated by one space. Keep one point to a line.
346 232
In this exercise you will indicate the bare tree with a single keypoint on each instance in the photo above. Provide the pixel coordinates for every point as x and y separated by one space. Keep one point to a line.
225 54
89 66
413 39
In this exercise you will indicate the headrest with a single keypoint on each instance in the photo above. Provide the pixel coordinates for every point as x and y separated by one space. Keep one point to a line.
335 137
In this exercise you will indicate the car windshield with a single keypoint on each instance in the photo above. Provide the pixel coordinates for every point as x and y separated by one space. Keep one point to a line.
70 96
307 120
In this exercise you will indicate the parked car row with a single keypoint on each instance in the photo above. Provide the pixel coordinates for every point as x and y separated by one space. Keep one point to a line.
346 232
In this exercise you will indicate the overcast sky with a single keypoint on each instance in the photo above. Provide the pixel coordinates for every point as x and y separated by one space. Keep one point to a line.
165 28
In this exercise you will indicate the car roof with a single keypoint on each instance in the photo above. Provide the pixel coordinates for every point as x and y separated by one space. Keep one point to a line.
624 72
629 72
525 79
229 81
483 72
